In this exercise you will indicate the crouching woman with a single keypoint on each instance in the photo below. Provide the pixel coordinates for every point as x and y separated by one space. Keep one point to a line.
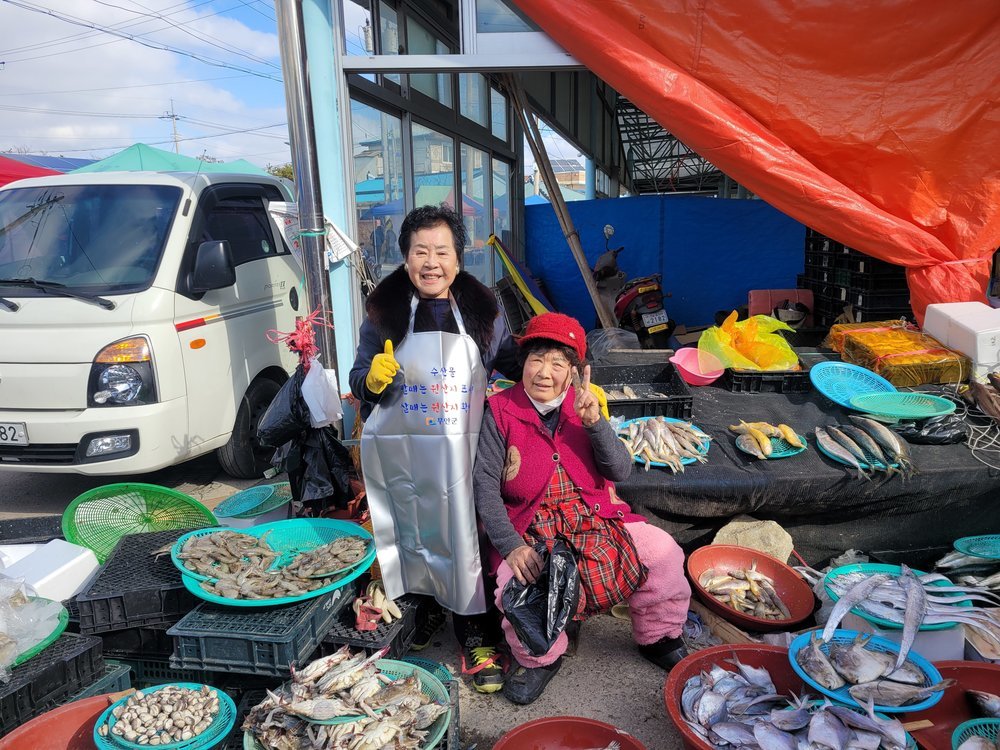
546 468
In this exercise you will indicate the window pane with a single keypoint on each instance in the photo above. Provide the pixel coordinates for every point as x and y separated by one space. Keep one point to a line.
493 16
359 35
477 223
501 203
498 112
420 41
473 97
433 168
378 183
389 36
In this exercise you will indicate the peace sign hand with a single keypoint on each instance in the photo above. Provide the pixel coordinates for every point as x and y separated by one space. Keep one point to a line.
586 404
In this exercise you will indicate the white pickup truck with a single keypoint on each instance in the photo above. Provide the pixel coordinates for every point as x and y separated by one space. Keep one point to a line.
133 314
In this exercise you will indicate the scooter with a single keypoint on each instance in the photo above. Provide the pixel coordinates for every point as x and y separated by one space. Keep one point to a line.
638 303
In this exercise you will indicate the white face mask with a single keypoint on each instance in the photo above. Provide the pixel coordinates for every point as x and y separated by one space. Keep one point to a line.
545 407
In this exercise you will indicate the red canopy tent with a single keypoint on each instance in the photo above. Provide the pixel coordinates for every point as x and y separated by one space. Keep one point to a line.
877 124
12 169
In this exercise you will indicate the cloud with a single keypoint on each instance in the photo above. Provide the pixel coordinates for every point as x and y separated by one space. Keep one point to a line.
54 73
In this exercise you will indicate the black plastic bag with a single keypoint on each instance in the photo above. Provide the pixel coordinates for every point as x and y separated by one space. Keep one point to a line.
539 611
287 416
944 430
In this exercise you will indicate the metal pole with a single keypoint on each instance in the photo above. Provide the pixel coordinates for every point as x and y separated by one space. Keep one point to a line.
298 100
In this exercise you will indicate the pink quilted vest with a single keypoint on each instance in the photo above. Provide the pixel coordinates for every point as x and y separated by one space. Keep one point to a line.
532 455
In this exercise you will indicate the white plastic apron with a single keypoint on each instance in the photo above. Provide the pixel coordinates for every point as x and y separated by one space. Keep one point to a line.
418 448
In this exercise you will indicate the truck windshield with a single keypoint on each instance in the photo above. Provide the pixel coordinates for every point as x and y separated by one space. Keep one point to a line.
94 239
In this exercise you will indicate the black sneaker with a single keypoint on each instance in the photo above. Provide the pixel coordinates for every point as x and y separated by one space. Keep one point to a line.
483 663
666 653
430 619
526 684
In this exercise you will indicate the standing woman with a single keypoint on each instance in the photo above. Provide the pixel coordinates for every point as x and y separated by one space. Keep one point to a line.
432 336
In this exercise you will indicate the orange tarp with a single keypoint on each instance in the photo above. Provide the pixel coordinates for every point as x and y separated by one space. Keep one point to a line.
875 123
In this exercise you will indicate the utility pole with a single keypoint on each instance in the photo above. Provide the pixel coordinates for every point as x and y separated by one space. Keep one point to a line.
173 121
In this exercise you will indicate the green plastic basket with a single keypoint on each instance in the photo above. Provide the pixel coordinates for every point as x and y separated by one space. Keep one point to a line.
223 723
100 517
62 620
987 728
430 685
986 546
244 501
903 405
781 448
288 539
178 546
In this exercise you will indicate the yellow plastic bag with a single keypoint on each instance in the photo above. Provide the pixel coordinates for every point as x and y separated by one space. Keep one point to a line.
750 344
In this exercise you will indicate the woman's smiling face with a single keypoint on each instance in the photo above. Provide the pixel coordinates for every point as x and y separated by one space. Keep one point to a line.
547 374
432 261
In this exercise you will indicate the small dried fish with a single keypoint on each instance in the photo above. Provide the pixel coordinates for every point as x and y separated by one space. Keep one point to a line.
746 590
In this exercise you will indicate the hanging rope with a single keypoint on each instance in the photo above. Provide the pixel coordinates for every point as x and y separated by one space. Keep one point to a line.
302 340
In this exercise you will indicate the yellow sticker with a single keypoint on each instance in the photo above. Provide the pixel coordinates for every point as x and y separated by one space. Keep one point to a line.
644 289
654 329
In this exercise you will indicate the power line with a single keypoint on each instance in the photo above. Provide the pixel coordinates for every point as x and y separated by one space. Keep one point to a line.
241 131
117 88
145 43
255 9
40 111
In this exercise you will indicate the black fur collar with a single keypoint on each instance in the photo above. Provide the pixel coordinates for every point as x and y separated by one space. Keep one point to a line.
388 308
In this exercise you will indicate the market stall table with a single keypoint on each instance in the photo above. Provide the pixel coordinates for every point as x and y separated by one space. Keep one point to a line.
822 504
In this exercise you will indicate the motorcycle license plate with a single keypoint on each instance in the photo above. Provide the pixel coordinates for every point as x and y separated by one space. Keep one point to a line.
13 433
654 319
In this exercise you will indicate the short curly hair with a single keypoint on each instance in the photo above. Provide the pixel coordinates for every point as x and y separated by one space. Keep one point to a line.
426 217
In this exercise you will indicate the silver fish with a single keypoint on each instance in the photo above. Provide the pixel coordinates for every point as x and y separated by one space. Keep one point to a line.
847 601
916 610
866 442
794 719
849 443
754 675
891 729
986 704
862 740
855 663
712 709
888 693
769 736
834 448
889 440
733 732
816 664
975 742
827 730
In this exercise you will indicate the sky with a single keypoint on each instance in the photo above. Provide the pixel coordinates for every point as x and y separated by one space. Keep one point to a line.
72 84
71 90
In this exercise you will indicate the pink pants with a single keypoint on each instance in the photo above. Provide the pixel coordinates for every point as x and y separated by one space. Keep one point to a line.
658 608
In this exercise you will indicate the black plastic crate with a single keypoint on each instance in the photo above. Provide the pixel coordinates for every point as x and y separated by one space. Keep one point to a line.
249 699
861 263
255 640
73 611
645 380
879 300
150 642
758 381
134 588
827 261
116 678
397 635
871 281
819 243
67 666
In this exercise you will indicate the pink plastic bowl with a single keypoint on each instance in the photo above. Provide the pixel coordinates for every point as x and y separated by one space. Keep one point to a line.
697 367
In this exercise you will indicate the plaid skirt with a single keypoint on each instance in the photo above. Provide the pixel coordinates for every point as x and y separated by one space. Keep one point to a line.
610 570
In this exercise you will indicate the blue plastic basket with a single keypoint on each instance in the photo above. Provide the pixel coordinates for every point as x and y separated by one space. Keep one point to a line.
182 540
687 461
841 695
840 382
288 539
244 501
988 728
903 405
893 570
223 723
987 546
781 448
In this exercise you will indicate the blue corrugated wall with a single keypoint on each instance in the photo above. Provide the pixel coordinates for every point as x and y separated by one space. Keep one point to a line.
711 252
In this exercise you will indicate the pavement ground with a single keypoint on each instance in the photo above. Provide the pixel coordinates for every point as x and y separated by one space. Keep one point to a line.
607 680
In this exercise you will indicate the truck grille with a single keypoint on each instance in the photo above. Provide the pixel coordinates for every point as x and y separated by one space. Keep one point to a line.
40 453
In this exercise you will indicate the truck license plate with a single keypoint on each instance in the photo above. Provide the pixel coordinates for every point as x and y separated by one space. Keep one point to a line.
654 319
13 433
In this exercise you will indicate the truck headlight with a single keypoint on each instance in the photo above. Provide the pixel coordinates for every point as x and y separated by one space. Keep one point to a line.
122 374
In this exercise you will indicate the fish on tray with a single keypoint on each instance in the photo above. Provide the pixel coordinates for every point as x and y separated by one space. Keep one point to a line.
743 709
866 446
975 742
755 437
660 441
745 590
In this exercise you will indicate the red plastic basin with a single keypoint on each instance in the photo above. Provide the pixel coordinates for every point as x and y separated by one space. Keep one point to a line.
566 733
793 591
773 658
953 708
68 727
697 367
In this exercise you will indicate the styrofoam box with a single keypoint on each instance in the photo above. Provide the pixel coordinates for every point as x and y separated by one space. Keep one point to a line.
972 328
57 570
11 553
933 645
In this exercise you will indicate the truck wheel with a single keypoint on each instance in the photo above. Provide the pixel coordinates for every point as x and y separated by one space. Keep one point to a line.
243 456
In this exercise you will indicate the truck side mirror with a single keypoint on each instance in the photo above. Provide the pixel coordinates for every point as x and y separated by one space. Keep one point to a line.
213 267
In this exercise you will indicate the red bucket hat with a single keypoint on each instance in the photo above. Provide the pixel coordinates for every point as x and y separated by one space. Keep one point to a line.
559 328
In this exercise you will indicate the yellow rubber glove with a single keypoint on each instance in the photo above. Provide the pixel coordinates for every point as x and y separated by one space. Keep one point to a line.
383 370
602 399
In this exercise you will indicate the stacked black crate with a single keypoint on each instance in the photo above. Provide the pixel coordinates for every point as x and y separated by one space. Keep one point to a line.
840 276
